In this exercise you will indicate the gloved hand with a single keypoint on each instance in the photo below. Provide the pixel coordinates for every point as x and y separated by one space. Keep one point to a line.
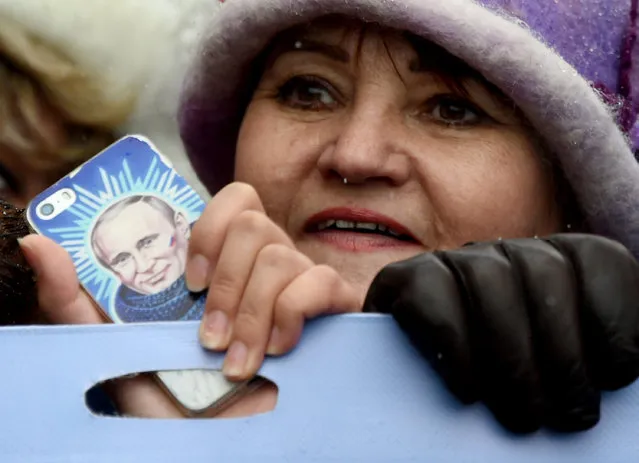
534 328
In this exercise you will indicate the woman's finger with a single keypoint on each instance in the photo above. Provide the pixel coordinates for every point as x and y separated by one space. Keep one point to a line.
571 402
607 275
62 301
275 268
319 290
501 338
248 234
210 230
425 298
60 296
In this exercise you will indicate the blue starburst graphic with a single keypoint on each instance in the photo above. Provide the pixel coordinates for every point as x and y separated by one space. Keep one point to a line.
129 167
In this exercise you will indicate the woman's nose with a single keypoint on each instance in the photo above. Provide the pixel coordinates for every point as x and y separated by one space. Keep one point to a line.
368 146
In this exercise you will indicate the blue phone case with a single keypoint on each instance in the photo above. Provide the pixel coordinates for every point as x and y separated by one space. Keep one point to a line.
125 217
125 227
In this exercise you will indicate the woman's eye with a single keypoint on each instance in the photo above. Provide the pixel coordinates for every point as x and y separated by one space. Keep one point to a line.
453 111
307 93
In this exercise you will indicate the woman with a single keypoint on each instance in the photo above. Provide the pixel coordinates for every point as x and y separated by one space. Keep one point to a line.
341 138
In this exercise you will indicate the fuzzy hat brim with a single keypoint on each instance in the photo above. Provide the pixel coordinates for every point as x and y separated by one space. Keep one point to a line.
566 112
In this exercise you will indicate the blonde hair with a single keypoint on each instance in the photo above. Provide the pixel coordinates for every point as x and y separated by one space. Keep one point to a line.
51 111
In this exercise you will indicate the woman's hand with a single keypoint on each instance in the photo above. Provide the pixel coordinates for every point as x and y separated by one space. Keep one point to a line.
261 289
61 301
534 328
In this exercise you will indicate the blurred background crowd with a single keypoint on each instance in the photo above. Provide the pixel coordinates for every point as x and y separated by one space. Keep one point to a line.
77 75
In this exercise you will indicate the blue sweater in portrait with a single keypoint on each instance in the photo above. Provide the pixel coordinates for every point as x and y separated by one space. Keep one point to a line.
175 303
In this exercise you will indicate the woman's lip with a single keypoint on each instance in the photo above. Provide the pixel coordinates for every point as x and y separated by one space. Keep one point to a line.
358 215
361 242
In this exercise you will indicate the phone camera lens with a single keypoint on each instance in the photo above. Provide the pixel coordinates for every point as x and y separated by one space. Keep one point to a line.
46 209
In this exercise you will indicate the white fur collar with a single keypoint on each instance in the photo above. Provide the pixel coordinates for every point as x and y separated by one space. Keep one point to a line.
137 48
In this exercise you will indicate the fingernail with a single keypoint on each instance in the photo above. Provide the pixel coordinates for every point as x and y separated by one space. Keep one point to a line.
22 244
28 254
197 271
235 361
274 342
214 330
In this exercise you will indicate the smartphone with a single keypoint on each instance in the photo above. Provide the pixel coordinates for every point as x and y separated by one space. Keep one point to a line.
125 217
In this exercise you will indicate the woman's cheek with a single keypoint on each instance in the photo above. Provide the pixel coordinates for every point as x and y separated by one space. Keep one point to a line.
489 190
261 149
275 155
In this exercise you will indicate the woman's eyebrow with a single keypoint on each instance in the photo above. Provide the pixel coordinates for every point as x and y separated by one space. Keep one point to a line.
433 58
442 64
333 52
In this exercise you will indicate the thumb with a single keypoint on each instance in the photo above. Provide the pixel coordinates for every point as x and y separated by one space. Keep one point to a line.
60 297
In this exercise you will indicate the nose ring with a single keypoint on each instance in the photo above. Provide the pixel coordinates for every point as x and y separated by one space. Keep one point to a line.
345 181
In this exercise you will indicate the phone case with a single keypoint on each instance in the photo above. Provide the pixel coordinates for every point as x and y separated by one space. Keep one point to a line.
125 218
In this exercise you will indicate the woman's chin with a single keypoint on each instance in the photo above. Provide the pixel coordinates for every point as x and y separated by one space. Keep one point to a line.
360 266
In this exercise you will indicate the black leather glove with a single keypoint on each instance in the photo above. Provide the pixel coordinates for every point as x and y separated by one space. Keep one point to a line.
535 328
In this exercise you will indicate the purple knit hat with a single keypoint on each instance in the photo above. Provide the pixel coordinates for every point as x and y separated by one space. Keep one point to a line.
567 64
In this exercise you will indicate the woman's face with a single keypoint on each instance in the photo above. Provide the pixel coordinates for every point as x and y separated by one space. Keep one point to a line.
423 160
